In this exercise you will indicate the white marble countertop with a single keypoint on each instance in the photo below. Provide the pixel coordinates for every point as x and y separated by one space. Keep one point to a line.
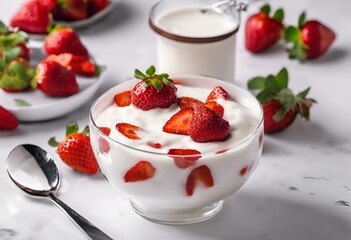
300 190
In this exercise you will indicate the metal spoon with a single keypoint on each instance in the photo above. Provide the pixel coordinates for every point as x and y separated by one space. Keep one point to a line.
34 171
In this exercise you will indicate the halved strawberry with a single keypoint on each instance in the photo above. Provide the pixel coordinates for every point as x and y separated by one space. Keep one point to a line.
141 171
128 130
123 99
214 106
184 102
179 123
200 174
243 171
184 161
207 126
155 145
104 146
216 93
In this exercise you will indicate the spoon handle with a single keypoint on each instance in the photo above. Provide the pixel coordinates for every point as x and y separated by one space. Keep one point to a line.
91 231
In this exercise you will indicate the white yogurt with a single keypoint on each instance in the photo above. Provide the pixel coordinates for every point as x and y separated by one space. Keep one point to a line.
193 41
165 193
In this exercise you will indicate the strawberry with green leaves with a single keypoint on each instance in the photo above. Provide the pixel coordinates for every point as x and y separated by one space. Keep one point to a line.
15 72
309 40
32 17
263 31
280 105
75 150
154 90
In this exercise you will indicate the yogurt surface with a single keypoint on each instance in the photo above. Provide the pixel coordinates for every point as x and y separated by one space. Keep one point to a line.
242 123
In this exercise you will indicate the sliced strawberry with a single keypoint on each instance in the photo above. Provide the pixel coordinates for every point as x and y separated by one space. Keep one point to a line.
122 99
128 130
216 93
104 146
141 171
222 151
243 171
214 106
176 81
185 102
207 126
184 161
154 145
179 123
200 174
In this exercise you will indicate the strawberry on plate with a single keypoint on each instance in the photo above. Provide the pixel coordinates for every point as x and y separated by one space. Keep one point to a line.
207 126
179 123
280 105
154 90
64 40
55 80
141 171
78 64
7 120
263 31
32 17
310 39
200 174
75 150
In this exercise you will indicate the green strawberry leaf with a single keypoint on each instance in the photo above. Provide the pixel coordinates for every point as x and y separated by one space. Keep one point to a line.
11 54
256 83
3 28
286 98
298 51
86 130
264 96
52 142
71 129
21 103
279 15
292 34
266 9
279 115
151 70
157 85
138 74
271 84
302 20
282 78
302 95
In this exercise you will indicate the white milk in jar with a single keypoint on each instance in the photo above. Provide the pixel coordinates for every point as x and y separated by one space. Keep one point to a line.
195 39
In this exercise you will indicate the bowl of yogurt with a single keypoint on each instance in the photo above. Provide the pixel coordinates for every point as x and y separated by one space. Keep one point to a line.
174 188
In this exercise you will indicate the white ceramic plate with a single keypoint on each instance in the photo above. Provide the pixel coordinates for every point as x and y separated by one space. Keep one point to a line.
79 23
43 107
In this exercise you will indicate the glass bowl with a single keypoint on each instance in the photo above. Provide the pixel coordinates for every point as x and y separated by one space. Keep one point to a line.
165 197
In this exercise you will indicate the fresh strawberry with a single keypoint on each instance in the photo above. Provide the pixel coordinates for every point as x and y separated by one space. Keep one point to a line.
104 146
123 99
75 150
51 5
243 171
25 51
128 130
32 17
263 31
185 102
200 174
141 171
280 105
95 6
64 40
310 39
7 120
207 126
185 160
70 10
154 90
179 123
216 93
54 80
15 75
214 106
78 64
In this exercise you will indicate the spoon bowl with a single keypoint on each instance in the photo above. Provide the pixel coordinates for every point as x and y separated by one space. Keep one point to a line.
34 171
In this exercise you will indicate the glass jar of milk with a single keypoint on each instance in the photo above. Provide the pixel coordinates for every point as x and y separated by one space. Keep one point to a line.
196 37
